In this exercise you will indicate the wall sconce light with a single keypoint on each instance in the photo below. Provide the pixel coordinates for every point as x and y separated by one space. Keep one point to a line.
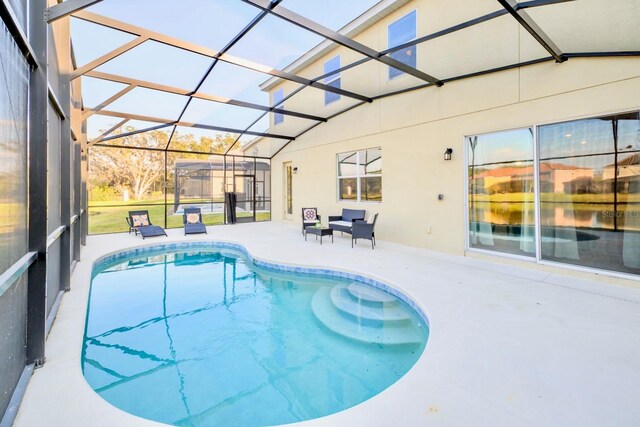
295 169
447 153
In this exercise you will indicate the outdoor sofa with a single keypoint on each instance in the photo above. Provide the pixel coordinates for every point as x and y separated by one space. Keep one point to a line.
345 221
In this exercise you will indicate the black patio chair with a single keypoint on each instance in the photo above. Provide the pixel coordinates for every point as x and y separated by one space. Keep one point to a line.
139 222
192 220
310 218
364 230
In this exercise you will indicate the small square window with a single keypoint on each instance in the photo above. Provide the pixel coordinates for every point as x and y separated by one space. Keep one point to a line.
360 176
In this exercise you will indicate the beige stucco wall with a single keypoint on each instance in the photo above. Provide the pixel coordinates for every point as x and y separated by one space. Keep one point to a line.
415 128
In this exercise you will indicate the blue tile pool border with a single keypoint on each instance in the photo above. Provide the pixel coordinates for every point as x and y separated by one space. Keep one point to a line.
112 259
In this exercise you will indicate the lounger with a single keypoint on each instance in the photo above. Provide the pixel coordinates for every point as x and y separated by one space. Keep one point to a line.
192 220
139 222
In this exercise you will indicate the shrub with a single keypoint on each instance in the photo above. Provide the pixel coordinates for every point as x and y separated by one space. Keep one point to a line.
104 194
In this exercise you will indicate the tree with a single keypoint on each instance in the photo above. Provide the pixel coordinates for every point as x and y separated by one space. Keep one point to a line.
216 144
128 168
115 169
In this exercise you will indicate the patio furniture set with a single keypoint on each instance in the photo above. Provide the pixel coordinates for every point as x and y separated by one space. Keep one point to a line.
351 221
139 222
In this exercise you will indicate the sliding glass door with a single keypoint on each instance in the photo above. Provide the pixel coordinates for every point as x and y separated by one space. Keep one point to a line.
587 177
501 192
590 192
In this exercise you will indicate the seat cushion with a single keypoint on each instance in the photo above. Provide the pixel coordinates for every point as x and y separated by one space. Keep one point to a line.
151 231
194 228
346 224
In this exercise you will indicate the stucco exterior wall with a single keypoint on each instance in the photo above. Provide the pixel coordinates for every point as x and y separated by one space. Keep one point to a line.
415 128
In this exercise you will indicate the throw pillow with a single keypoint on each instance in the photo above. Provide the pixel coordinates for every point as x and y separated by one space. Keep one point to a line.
193 218
140 220
309 214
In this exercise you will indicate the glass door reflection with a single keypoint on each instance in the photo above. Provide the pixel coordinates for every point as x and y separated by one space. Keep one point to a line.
501 192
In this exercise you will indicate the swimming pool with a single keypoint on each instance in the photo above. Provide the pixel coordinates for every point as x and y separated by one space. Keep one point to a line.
203 335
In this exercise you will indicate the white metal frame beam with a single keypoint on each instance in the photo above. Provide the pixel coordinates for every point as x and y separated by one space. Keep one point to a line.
189 124
107 133
199 95
191 47
66 8
309 25
107 57
88 113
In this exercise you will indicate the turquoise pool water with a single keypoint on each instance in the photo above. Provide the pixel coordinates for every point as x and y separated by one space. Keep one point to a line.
204 337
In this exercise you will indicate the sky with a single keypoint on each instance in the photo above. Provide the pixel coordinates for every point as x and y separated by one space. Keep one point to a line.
586 143
210 23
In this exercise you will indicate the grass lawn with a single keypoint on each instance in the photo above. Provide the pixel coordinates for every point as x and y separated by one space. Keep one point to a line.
105 219
580 202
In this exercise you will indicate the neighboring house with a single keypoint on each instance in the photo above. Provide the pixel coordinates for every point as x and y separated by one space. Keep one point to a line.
628 176
554 177
204 182
561 178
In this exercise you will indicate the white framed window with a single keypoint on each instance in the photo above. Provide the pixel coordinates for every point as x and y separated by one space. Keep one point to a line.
399 32
360 175
333 80
278 96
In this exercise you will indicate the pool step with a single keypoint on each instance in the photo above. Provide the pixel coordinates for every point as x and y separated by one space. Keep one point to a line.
370 296
344 300
385 333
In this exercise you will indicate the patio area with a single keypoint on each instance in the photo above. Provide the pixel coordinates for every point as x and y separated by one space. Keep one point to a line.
497 140
508 346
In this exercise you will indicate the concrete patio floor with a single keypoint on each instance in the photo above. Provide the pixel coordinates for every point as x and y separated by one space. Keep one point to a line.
508 346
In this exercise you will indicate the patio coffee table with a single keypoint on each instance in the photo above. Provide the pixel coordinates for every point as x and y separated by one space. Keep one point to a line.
319 231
